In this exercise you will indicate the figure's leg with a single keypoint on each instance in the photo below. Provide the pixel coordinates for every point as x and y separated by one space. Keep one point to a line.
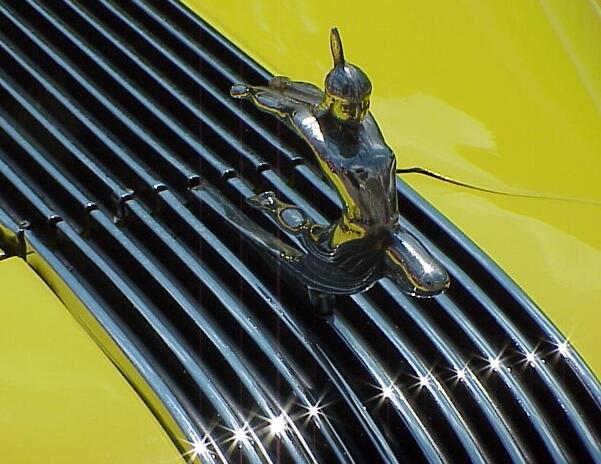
409 264
289 218
265 241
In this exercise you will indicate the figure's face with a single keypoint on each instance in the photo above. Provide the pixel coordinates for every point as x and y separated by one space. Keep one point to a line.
350 111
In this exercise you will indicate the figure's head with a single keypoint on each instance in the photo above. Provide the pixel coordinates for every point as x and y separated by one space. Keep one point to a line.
347 88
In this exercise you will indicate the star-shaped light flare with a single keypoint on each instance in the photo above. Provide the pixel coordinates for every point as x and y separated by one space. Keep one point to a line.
494 363
564 348
277 425
198 449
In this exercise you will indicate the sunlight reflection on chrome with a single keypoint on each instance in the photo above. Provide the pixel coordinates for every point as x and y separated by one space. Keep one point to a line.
241 435
314 412
277 425
388 389
199 449
531 358
282 424
460 374
494 363
563 348
425 380
387 392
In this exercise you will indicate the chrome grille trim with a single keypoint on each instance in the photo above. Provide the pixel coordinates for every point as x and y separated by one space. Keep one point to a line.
119 151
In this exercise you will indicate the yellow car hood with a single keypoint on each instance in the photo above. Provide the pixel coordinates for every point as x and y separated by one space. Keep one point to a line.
61 398
502 95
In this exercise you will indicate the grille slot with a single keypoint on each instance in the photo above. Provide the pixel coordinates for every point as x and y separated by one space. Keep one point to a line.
118 142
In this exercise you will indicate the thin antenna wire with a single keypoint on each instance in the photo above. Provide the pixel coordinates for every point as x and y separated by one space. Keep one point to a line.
450 180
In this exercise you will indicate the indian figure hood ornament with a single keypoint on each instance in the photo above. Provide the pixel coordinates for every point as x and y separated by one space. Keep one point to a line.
366 243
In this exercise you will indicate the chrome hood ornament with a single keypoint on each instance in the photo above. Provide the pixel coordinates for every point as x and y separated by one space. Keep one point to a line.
366 243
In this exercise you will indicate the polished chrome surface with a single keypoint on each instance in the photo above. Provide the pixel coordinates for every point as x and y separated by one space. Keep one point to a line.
124 152
366 243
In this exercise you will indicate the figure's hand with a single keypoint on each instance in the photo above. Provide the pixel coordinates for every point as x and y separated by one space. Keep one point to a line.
240 91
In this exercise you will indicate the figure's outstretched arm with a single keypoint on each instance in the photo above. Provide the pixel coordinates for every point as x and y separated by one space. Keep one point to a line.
301 91
296 113
265 98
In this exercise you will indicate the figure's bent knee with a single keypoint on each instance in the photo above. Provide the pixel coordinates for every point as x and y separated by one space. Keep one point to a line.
409 264
293 218
289 217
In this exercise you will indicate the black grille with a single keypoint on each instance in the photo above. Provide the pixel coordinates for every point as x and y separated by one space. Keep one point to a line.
119 143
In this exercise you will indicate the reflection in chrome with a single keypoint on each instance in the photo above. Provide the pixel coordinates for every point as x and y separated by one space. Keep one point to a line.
199 449
366 243
387 392
240 436
494 363
531 358
390 391
278 425
424 380
313 411
460 374
563 348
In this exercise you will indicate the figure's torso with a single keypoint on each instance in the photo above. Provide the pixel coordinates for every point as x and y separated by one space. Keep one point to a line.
360 166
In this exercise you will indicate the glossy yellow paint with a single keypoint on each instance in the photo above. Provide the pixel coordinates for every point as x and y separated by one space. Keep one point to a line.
502 94
61 399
